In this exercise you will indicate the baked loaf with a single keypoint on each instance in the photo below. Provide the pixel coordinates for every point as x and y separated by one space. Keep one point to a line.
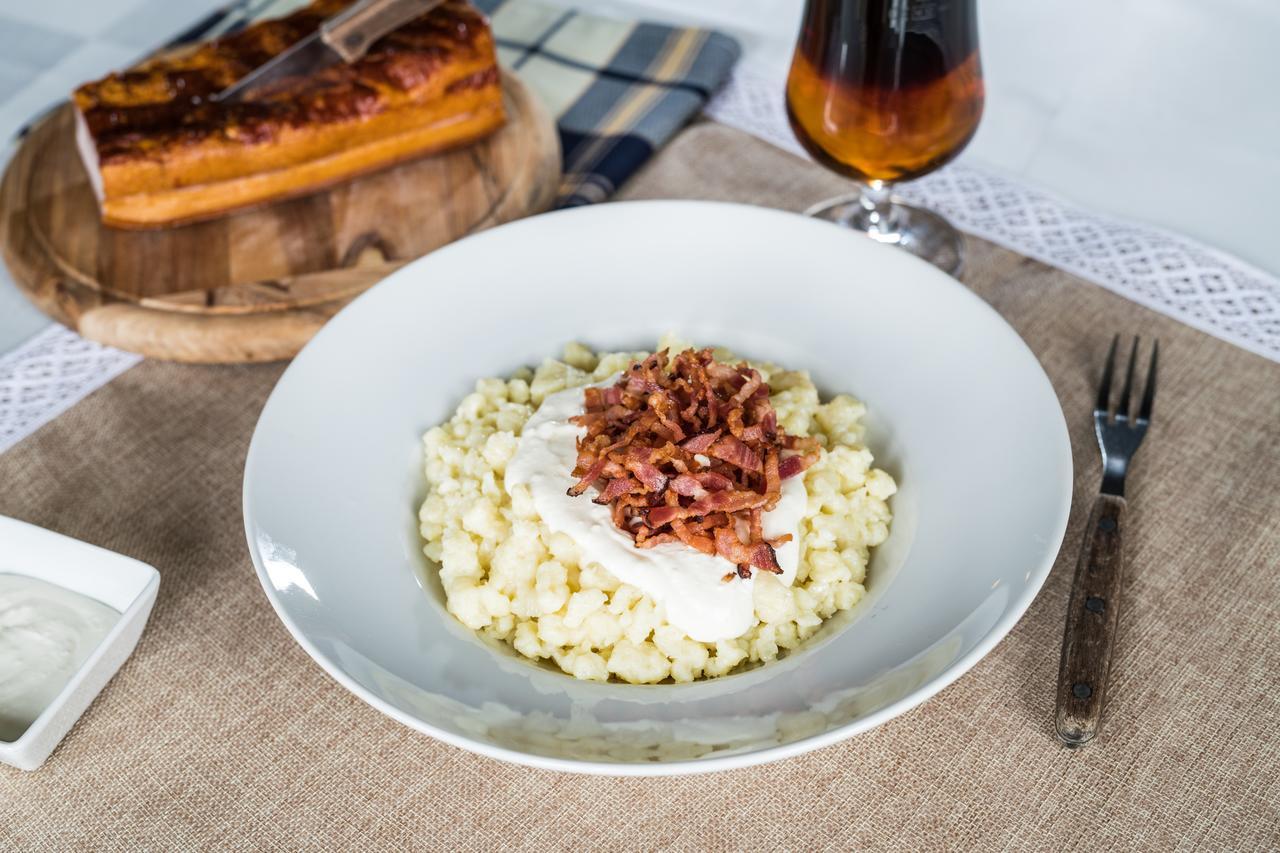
159 151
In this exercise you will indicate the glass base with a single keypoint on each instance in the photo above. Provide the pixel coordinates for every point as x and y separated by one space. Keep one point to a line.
921 232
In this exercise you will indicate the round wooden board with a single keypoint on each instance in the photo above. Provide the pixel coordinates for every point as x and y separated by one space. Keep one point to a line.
255 285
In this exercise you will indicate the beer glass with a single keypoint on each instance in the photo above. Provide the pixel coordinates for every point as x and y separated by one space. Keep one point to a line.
884 91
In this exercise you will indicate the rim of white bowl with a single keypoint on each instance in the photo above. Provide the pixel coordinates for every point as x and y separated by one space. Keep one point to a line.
683 767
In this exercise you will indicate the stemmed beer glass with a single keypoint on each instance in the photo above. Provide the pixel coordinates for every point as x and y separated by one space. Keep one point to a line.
884 91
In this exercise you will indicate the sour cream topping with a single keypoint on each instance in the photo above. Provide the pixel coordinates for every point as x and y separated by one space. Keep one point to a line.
686 583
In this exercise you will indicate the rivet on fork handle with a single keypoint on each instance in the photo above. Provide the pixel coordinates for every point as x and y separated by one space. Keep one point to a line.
1092 617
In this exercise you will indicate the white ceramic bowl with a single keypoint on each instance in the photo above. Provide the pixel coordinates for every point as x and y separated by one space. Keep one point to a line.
122 583
960 413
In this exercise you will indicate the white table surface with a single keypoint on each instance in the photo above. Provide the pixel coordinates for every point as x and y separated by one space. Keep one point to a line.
1165 111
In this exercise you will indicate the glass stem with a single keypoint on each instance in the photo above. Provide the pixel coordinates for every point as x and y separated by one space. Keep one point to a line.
876 215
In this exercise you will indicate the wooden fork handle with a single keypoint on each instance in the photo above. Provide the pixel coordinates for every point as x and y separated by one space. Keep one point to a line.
1092 617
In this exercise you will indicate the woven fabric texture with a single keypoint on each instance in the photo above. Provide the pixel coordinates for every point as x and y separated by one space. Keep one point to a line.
221 733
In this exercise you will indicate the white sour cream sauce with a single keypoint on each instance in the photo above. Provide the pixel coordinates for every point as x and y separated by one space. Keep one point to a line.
46 633
686 583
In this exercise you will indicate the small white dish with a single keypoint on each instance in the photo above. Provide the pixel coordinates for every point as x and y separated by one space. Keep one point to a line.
122 583
960 412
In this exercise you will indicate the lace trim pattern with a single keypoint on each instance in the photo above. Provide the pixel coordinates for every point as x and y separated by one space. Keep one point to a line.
50 373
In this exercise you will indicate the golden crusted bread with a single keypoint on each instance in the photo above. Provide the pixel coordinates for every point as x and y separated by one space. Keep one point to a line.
160 152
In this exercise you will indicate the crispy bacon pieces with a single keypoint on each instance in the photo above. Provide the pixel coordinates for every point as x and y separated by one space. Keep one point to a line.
688 449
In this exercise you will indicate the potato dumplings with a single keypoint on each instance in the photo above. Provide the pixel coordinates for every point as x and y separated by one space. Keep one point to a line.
510 577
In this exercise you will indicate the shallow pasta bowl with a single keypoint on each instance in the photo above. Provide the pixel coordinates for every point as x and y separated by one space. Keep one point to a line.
333 478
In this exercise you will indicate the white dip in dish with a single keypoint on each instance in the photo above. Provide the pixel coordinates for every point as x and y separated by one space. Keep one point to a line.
46 634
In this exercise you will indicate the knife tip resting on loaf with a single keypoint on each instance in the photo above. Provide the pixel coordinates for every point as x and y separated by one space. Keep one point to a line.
161 148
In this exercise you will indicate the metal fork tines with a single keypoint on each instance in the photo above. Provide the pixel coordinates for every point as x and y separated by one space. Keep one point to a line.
1119 438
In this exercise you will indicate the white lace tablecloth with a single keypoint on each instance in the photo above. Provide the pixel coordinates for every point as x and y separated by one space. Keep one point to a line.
1168 273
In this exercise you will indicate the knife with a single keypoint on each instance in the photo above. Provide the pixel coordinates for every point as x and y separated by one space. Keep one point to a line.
345 37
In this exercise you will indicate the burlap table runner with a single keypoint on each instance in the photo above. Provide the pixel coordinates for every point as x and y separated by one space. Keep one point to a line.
221 732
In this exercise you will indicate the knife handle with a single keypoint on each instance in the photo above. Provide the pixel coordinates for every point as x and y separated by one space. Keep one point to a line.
353 31
1091 625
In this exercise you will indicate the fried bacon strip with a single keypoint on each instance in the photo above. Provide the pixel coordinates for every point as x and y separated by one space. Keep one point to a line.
689 450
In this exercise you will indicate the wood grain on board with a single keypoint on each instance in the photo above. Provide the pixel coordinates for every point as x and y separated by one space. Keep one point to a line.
255 285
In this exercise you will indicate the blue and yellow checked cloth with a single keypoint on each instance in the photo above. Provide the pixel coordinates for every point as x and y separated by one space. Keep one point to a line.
619 90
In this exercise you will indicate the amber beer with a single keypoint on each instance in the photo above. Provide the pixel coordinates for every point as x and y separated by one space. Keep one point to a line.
886 90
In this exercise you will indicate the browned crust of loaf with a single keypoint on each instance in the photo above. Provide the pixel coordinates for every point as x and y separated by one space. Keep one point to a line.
182 205
430 85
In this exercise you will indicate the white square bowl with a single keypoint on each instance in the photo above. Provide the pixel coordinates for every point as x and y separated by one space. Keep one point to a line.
122 583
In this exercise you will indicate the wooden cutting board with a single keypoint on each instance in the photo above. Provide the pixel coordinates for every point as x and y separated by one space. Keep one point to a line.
255 286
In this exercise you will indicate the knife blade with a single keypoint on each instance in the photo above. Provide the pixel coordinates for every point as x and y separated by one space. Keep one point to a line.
344 37
305 57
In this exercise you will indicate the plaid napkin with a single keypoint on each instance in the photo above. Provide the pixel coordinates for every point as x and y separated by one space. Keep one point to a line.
619 90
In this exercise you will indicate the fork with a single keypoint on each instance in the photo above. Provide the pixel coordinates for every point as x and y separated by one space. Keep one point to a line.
1093 612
